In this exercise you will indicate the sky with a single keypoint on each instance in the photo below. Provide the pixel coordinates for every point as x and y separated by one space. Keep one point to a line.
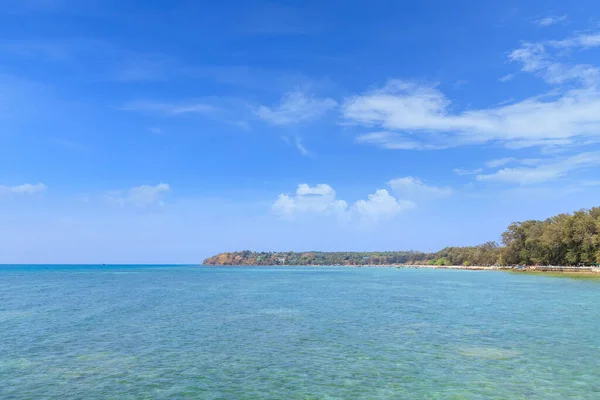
166 132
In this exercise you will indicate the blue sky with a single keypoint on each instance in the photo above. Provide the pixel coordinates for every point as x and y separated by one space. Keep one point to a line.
152 131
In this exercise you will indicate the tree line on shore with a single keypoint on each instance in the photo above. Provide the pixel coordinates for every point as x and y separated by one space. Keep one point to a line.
565 239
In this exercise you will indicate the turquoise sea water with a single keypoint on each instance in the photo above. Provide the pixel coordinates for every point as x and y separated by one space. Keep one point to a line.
117 332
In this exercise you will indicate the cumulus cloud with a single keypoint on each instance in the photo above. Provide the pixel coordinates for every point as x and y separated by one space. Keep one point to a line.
545 171
550 20
296 107
321 200
26 188
139 196
381 205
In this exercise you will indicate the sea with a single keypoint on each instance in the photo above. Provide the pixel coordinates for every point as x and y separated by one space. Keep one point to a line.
194 332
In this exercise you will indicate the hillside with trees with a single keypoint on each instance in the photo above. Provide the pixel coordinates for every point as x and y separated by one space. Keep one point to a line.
565 239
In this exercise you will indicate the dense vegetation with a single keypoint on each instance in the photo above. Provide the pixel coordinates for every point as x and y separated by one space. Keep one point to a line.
317 258
566 239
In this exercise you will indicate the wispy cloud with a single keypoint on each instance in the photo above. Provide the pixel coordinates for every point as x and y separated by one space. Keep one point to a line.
257 79
133 66
170 109
96 8
582 40
498 162
298 143
395 141
536 59
463 171
69 144
590 183
419 117
547 170
26 188
229 111
300 146
296 107
551 20
407 115
139 196
94 59
417 190
279 20
28 6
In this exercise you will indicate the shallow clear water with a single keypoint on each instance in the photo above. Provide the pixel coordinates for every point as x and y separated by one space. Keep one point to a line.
74 332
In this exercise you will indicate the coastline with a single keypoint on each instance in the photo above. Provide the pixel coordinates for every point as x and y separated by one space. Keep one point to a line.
524 269
591 273
553 271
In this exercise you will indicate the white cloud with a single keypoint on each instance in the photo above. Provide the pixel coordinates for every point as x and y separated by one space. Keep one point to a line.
415 189
96 59
507 77
584 40
532 55
303 150
536 59
546 171
499 162
381 205
463 171
321 200
299 145
507 160
550 20
410 116
170 109
420 117
140 196
524 176
395 141
277 19
227 110
241 124
26 188
296 107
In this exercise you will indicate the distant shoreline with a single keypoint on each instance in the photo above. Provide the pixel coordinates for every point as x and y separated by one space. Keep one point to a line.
530 270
